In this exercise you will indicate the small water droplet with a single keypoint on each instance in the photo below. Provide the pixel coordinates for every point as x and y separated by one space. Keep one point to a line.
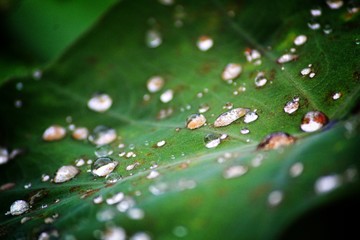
276 140
19 86
136 213
296 169
312 75
353 7
153 174
335 4
116 198
305 71
357 41
65 173
327 29
313 24
97 200
25 219
27 185
244 131
79 162
104 151
195 121
80 133
103 166
180 231
252 55
140 236
292 106
165 113
4 155
102 135
113 233
131 166
161 143
235 171
113 178
275 198
167 2
37 74
45 177
260 79
250 117
125 204
316 11
167 96
100 102
326 184
212 140
153 38
336 95
229 117
300 40
257 160
203 108
287 57
19 207
313 121
204 43
54 133
231 71
155 84
228 105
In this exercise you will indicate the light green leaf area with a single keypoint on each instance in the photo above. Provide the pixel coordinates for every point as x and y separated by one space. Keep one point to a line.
192 197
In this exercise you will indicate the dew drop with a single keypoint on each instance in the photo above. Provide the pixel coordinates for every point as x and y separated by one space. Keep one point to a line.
65 173
102 135
316 12
104 151
18 103
4 155
250 117
167 2
244 131
235 171
100 102
228 105
155 84
287 57
114 233
335 4
25 219
136 213
326 184
167 96
37 74
153 174
79 162
113 178
296 169
313 121
292 106
161 143
260 79
125 204
204 43
80 133
336 95
195 121
229 117
19 207
115 198
313 24
45 177
212 140
203 108
276 140
300 40
103 166
19 86
140 236
252 55
231 71
353 7
153 38
275 198
305 71
98 200
158 188
180 231
54 133
327 29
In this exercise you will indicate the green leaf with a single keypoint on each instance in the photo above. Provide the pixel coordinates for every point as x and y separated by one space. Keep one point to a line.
192 197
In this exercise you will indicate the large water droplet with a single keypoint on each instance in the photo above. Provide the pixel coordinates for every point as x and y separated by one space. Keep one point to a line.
153 38
235 171
100 102
103 166
335 4
292 106
212 140
104 151
313 121
300 40
204 43
250 117
19 207
102 135
260 79
229 117
65 173
231 71
195 121
167 96
327 183
155 84
54 133
276 140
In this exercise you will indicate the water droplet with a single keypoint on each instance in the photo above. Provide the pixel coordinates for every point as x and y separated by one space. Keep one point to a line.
65 173
158 188
260 79
155 84
327 29
336 95
167 96
250 117
305 71
235 171
167 2
79 162
353 7
335 4
313 24
212 140
98 199
7 186
203 108
140 236
18 103
165 113
195 121
161 143
19 207
19 86
296 169
125 204
184 184
37 74
102 135
316 12
275 198
231 71
25 219
244 131
292 106
4 155
153 38
45 177
80 133
228 105
276 140
131 166
115 198
204 43
136 213
114 233
300 40
54 133
153 174
100 102
313 121
50 233
257 160
229 117
113 177
287 57
104 151
326 184
180 231
27 185
253 55
103 166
